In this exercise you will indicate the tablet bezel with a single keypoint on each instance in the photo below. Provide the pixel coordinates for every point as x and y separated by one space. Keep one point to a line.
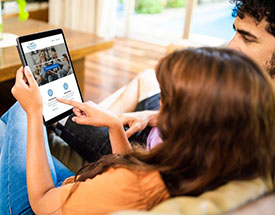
30 37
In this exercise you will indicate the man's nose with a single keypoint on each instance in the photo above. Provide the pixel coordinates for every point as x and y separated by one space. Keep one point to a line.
234 44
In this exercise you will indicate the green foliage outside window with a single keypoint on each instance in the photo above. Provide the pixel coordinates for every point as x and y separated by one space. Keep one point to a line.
176 3
156 6
149 6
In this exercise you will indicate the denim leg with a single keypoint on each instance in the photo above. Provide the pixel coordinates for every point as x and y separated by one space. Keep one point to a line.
3 128
13 185
2 133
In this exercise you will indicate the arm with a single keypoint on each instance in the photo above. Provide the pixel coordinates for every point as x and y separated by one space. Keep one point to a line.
44 193
91 114
118 138
43 196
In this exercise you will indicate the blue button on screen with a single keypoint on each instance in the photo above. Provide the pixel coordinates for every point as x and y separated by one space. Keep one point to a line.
65 85
50 92
47 68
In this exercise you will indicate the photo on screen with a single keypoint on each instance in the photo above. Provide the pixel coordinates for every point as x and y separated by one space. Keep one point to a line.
49 64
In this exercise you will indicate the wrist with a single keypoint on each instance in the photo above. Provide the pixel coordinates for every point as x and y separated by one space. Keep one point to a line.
114 123
34 114
152 118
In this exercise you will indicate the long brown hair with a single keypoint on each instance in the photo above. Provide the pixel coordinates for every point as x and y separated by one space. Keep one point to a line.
216 120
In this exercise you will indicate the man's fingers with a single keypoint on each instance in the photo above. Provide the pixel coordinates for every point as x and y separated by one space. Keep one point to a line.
132 130
75 104
29 76
124 120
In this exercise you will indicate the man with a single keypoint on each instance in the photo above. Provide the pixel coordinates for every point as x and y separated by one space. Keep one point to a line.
255 32
255 36
53 73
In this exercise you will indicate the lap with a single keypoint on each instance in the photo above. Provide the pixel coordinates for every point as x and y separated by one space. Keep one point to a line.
91 142
151 103
13 185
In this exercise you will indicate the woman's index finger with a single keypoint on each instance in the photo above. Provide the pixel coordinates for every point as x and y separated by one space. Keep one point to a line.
72 103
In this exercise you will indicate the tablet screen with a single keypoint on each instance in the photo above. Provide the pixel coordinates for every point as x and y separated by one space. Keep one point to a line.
50 64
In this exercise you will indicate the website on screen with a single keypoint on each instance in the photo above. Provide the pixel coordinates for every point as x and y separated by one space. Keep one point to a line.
49 62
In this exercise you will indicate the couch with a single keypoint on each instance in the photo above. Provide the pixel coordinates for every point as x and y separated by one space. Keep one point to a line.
236 197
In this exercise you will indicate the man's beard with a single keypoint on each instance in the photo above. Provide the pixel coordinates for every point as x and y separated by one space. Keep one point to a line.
271 66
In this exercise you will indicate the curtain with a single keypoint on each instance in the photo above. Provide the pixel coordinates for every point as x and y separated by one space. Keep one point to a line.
93 16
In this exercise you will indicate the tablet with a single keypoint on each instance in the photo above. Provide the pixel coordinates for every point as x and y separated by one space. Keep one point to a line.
46 53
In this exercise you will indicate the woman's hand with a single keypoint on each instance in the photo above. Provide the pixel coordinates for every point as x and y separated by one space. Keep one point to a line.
89 113
26 91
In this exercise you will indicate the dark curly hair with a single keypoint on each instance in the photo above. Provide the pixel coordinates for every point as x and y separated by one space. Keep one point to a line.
258 9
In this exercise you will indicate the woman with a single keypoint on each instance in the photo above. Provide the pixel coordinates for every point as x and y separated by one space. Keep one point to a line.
42 64
36 74
217 125
66 65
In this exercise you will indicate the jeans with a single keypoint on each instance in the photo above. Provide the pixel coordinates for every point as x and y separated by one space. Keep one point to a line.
93 142
13 185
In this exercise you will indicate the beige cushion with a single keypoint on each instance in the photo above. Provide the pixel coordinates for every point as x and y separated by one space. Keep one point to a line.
220 201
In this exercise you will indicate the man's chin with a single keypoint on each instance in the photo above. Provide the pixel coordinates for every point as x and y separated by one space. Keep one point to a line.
272 73
271 67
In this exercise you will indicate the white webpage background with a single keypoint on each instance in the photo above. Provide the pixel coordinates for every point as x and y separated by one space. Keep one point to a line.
52 108
43 43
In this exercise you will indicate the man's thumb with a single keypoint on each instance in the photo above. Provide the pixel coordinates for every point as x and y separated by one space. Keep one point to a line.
132 130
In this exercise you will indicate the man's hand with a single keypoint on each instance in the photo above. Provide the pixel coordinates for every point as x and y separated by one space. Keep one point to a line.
137 121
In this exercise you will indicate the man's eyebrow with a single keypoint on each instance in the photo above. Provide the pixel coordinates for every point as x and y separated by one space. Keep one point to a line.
245 33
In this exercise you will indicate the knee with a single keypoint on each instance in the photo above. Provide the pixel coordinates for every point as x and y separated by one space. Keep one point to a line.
147 75
17 109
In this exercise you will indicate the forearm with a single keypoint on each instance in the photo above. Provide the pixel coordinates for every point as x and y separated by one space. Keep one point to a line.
42 197
118 138
39 179
152 118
